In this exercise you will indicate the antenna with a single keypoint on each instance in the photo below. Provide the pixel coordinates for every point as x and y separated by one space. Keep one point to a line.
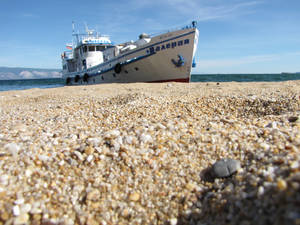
73 27
74 34
89 32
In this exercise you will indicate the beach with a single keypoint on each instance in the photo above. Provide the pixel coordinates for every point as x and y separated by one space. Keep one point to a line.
143 154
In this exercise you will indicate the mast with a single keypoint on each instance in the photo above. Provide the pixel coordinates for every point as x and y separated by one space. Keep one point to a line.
74 34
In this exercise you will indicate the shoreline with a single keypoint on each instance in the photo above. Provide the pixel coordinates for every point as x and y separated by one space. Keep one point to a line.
137 154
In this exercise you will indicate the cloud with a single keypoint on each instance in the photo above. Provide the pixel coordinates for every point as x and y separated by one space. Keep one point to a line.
55 74
26 74
41 73
29 15
201 10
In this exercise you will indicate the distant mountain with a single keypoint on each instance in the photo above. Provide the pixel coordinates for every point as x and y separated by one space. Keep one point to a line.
13 73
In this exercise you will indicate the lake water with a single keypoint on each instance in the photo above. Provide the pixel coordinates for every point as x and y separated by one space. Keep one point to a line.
6 85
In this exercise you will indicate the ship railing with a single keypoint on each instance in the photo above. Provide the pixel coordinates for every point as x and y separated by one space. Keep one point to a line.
193 24
68 54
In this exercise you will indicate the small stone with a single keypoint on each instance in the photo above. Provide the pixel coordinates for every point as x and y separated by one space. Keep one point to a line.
4 179
191 186
272 125
19 201
125 213
135 196
16 210
89 158
21 219
281 184
93 195
260 191
90 150
295 165
79 155
293 119
25 208
225 168
12 148
4 216
173 221
145 138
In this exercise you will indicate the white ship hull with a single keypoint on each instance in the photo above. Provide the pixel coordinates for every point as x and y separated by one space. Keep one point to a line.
160 60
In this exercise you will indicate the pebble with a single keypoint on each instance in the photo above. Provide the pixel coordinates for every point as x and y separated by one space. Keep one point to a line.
225 167
21 219
135 196
16 210
281 184
173 221
12 148
293 119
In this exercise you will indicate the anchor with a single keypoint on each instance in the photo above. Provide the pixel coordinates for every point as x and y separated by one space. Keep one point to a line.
179 62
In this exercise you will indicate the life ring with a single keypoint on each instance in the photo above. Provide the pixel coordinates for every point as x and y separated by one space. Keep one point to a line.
118 68
85 77
68 80
77 78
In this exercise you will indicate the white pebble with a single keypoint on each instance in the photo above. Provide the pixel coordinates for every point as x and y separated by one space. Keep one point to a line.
61 163
28 172
265 146
295 165
129 139
19 201
89 158
25 208
146 138
173 221
260 191
4 179
43 158
79 155
16 210
94 141
12 148
112 133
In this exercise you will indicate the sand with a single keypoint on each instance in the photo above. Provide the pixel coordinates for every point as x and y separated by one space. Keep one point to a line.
142 154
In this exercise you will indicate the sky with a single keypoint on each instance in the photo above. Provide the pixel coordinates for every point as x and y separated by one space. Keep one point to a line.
236 36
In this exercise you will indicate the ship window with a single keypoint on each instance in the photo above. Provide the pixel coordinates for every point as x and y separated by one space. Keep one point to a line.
168 45
180 43
84 48
91 48
157 48
98 48
152 50
173 44
186 41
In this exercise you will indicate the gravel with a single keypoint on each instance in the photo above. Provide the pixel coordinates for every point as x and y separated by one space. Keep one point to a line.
135 154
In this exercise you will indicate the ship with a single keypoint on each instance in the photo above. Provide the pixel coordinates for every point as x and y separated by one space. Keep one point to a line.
93 58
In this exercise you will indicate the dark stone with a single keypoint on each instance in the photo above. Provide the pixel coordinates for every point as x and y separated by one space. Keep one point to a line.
225 168
293 119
